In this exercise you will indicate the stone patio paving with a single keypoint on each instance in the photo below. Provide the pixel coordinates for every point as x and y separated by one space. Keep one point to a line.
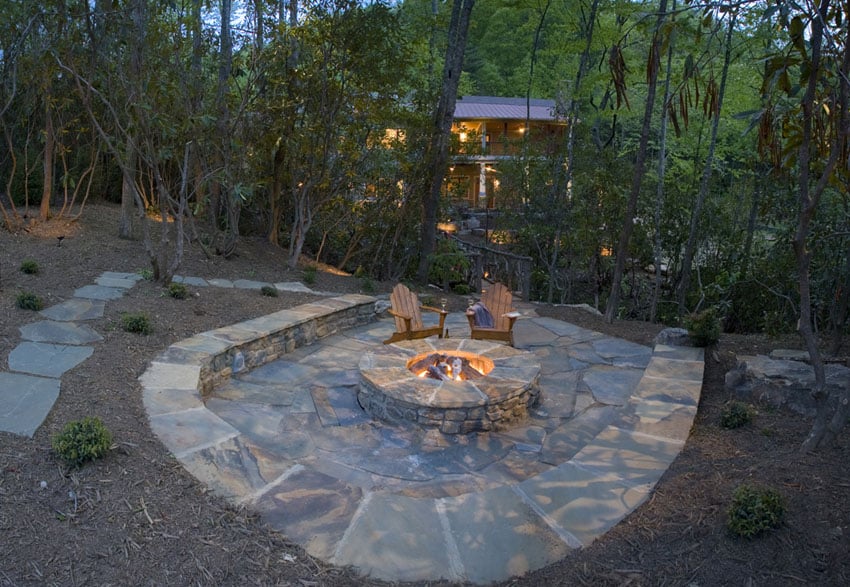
401 503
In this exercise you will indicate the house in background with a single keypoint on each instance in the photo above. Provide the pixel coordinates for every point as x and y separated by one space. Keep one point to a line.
488 130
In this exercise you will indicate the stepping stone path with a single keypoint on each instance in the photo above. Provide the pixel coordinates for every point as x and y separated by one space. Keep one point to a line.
49 349
59 343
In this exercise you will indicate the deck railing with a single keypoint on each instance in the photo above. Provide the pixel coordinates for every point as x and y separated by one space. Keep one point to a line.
492 265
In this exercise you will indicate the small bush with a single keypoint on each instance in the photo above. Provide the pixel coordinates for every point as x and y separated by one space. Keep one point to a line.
309 275
178 291
367 285
29 301
29 267
82 441
703 327
138 323
736 414
461 289
147 274
755 510
269 291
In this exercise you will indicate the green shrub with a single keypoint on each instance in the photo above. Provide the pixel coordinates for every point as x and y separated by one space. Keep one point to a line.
462 289
449 264
178 291
703 327
147 274
268 290
29 267
138 323
29 301
82 441
367 285
309 275
755 510
736 414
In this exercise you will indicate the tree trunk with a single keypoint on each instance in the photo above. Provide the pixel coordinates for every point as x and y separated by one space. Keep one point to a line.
128 197
690 247
637 176
829 419
662 170
437 154
49 149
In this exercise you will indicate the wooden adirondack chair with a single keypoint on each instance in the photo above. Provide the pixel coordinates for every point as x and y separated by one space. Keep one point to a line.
408 318
499 301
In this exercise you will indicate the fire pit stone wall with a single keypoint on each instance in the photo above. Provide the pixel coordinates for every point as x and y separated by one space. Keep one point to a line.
500 399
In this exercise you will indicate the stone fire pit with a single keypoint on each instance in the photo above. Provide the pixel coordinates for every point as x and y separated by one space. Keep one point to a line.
498 398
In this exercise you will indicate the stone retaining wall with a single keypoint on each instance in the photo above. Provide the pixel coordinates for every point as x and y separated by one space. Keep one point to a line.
211 357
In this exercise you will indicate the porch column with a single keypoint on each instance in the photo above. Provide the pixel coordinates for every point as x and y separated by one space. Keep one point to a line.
482 185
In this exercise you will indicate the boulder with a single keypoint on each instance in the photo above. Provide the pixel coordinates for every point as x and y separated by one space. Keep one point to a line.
673 337
782 382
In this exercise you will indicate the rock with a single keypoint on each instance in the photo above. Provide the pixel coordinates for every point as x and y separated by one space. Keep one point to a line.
783 383
674 337
382 306
789 355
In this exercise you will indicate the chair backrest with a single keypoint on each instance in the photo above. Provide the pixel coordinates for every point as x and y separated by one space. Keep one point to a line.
499 301
406 302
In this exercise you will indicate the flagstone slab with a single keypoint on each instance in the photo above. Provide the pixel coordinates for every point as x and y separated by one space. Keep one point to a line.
223 283
99 292
581 504
59 332
250 284
46 359
311 508
675 369
293 286
565 329
116 282
193 281
398 538
134 277
191 430
637 459
498 535
75 309
612 385
236 468
25 401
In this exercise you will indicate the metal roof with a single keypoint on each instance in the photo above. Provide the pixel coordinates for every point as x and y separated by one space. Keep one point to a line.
489 107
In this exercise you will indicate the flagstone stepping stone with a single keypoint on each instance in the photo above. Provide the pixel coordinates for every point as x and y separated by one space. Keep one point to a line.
99 292
75 309
49 360
25 402
249 284
225 283
120 280
59 332
194 281
295 286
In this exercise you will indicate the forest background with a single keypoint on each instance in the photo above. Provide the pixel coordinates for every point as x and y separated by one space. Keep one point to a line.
704 167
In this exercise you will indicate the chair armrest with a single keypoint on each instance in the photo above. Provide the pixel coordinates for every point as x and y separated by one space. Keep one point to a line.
442 313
